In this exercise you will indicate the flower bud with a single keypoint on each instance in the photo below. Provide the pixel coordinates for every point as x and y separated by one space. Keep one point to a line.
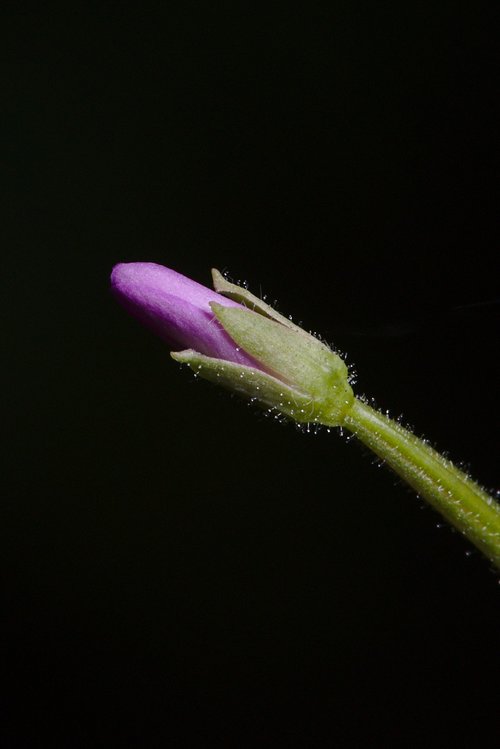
233 338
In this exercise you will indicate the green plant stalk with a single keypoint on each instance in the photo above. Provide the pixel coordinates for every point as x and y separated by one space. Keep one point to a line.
450 491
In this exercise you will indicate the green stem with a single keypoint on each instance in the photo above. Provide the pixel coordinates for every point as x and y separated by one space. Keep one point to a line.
450 491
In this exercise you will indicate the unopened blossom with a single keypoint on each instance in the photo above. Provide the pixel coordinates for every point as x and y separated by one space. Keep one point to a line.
231 337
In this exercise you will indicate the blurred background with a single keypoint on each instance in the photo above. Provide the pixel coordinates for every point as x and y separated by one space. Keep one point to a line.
177 569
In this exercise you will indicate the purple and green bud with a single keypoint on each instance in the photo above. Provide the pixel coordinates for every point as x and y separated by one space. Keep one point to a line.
233 338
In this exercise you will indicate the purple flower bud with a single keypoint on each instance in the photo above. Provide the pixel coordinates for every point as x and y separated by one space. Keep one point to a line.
249 347
177 309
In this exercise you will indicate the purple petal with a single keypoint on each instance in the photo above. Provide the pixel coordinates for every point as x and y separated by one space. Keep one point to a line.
177 309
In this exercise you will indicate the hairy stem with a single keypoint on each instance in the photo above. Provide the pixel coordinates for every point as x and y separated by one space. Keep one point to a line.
450 491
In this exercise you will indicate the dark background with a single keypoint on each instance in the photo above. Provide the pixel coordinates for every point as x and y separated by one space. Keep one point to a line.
178 569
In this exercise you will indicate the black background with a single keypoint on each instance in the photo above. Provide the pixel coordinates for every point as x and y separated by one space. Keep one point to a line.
178 569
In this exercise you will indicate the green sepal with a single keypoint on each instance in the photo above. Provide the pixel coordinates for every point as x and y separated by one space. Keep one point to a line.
252 384
243 296
293 357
